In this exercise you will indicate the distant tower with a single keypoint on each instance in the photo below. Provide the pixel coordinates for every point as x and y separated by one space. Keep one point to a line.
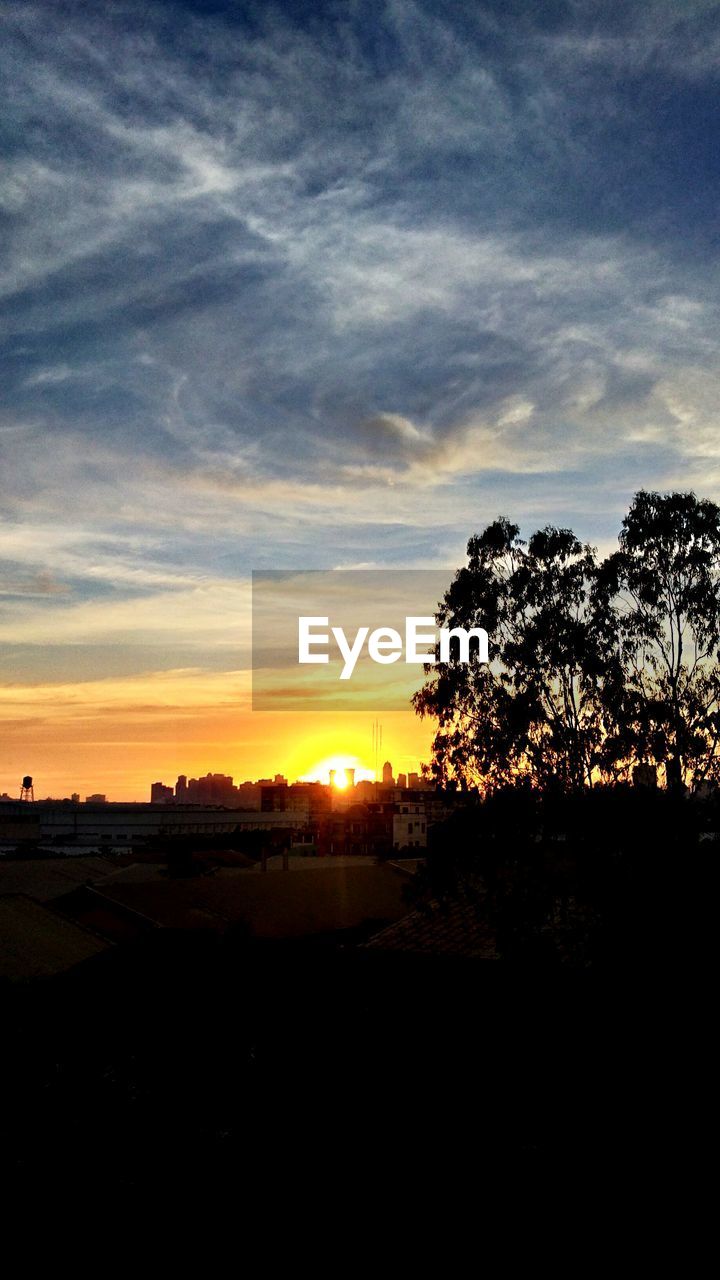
376 745
26 790
350 775
332 777
387 774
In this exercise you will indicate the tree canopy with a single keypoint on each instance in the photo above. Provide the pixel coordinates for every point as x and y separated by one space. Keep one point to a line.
596 667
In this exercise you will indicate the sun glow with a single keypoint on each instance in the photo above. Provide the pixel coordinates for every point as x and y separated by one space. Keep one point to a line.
338 766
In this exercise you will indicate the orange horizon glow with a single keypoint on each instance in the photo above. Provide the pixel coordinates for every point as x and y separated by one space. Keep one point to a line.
118 735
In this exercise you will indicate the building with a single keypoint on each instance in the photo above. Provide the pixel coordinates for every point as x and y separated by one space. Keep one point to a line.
248 795
365 790
409 826
37 942
103 825
160 794
214 788
308 798
357 830
387 775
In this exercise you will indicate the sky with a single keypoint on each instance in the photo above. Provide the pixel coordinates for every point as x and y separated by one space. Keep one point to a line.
315 286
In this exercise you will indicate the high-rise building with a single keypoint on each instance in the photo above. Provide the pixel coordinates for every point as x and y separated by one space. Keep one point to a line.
402 780
214 788
387 778
160 794
181 787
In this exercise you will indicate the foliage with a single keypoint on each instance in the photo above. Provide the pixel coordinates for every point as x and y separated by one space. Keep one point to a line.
595 668
533 711
660 596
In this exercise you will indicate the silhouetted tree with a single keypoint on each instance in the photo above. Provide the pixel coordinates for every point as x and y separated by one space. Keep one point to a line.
533 711
659 598
593 668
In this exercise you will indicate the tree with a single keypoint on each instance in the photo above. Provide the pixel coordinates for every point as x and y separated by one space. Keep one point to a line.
659 598
533 712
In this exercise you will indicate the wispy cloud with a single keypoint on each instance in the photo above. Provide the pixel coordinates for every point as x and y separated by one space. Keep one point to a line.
38 584
337 290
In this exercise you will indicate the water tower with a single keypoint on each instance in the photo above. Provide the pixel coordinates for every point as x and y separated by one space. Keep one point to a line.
26 790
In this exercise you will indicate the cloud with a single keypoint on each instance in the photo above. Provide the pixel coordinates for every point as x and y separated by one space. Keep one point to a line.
60 373
283 291
39 584
158 690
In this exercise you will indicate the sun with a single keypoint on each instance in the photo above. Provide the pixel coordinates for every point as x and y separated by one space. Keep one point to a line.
338 765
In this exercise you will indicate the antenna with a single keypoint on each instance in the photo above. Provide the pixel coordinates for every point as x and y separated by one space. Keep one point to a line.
377 734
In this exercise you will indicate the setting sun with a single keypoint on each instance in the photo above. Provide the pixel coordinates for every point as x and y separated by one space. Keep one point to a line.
343 769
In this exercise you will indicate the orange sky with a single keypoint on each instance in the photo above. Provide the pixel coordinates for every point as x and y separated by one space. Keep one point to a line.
118 735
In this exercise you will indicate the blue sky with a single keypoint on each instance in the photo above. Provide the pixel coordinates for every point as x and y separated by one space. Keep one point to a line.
335 284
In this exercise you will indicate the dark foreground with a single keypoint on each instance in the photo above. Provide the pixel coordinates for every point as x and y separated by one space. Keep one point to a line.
192 1066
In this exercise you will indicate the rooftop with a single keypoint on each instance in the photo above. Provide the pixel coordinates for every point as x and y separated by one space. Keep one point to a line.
454 928
37 943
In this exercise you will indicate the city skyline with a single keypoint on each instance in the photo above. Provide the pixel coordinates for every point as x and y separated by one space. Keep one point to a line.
341 773
318 771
